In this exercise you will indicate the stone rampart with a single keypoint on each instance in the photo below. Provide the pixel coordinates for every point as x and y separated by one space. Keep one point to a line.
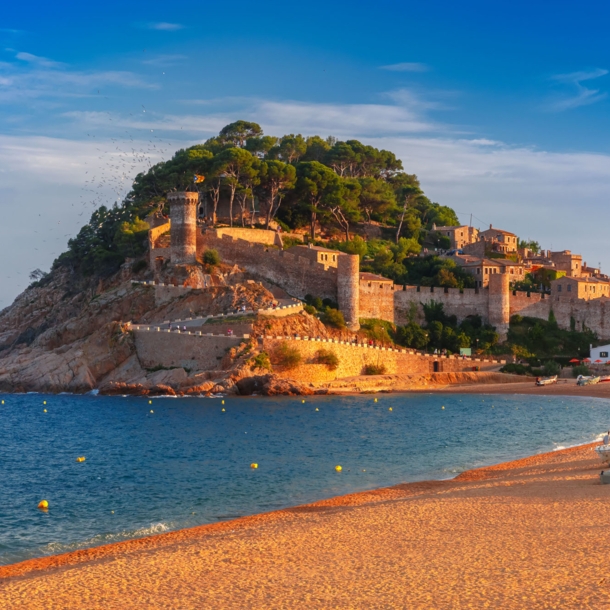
161 348
353 358
295 274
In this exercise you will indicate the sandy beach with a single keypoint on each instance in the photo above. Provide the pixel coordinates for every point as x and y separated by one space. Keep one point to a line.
525 534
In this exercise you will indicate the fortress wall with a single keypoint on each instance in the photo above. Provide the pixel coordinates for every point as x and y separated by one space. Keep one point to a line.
156 232
534 305
594 314
255 236
377 300
158 348
461 304
353 358
298 276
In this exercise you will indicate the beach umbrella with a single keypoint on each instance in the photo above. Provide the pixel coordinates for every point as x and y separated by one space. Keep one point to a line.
586 359
598 360
574 360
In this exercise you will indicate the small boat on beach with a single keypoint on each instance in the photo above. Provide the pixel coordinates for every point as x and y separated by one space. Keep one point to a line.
587 380
603 452
604 378
546 380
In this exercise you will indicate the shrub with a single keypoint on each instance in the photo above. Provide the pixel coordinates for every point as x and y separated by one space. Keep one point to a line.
515 369
262 361
333 317
310 309
315 302
374 369
551 368
211 257
581 369
139 266
330 359
288 356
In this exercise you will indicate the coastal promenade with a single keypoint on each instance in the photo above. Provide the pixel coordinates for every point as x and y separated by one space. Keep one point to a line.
525 534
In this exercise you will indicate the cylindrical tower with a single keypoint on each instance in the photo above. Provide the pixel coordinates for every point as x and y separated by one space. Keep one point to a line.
348 288
499 303
183 214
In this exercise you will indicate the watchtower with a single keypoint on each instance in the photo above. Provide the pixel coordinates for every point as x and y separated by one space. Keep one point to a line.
348 288
499 303
183 215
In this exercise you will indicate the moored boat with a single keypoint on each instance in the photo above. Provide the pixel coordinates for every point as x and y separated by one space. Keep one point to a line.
546 380
587 380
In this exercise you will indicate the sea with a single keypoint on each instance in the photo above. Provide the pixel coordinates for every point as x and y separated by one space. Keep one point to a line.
155 465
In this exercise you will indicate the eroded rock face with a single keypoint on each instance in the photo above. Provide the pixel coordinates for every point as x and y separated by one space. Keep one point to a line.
71 335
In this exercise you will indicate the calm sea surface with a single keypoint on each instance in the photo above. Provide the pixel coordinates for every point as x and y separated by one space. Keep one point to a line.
188 463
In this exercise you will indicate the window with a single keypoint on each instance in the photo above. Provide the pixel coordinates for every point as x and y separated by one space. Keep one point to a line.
487 270
569 287
448 233
603 354
479 271
558 287
334 257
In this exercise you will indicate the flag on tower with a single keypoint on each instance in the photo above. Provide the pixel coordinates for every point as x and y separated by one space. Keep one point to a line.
197 178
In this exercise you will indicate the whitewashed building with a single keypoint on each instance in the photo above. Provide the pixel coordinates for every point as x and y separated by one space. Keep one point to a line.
601 352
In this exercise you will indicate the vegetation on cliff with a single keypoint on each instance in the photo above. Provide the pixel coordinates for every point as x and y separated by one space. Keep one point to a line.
301 183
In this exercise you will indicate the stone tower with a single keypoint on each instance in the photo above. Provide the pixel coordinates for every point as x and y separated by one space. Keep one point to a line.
183 215
348 288
499 303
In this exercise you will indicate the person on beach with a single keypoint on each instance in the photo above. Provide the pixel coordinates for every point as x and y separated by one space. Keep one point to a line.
606 439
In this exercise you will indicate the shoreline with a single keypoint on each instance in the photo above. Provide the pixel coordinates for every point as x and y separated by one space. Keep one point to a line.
41 576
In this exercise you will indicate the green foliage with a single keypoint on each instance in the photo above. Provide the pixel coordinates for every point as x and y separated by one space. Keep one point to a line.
534 246
333 317
544 339
327 357
581 369
550 368
261 361
323 183
374 369
516 369
310 309
288 356
378 330
211 257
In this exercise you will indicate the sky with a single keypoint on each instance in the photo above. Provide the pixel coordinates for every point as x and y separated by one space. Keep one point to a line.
500 108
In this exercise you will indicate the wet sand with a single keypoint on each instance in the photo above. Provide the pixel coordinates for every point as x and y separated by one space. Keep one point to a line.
531 533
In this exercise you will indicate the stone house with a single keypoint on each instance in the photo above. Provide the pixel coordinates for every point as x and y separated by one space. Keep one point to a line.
500 241
482 269
317 254
585 288
568 262
459 236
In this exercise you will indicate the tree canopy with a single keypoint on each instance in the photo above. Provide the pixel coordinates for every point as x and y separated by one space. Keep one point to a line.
323 184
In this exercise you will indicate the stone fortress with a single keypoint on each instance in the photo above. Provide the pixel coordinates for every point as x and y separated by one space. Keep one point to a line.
580 296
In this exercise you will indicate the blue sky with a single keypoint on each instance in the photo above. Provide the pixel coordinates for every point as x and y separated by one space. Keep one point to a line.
500 108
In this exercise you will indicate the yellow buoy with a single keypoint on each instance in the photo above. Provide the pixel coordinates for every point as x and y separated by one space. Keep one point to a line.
317 409
223 402
442 407
150 402
43 505
390 409
2 402
151 411
303 401
375 400
223 410
338 468
45 410
112 512
44 402
80 459
253 465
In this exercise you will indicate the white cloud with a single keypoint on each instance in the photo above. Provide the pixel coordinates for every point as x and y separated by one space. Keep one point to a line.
406 67
40 61
164 26
582 96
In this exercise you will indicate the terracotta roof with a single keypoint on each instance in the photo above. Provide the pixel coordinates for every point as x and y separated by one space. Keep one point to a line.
497 262
319 249
499 231
587 280
450 228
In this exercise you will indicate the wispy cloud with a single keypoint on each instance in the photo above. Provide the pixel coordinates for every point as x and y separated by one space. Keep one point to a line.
11 31
39 61
581 95
406 67
164 26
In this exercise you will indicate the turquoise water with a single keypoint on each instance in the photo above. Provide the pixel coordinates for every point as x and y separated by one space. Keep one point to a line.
188 463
